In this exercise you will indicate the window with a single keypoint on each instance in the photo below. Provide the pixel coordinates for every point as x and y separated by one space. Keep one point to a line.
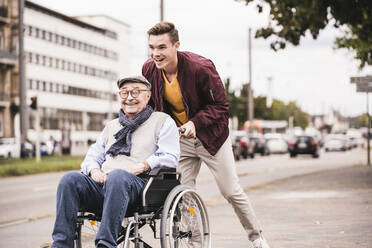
29 84
43 60
49 36
58 39
37 58
30 29
37 33
47 86
29 55
58 88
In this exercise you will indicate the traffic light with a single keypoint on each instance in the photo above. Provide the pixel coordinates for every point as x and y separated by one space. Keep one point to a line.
33 104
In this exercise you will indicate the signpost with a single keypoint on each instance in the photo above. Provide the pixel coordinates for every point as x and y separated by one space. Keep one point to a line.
364 84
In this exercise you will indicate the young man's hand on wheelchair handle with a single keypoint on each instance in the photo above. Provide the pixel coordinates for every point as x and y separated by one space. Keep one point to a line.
187 130
98 176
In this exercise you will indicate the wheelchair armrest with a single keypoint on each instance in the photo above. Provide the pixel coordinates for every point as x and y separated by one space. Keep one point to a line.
161 170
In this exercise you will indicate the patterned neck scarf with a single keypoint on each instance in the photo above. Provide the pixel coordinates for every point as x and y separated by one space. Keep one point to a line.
123 137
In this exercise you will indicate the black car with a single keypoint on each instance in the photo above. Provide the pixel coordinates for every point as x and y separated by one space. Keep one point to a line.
303 145
260 145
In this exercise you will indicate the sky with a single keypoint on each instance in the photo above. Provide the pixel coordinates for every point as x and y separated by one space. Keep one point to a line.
313 74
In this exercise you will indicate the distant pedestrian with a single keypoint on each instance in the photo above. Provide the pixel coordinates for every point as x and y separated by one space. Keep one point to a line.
188 87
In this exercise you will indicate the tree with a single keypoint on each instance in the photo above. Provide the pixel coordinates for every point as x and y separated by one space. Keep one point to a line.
360 121
290 20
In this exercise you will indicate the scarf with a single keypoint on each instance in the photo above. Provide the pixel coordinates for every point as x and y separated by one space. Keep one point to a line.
123 137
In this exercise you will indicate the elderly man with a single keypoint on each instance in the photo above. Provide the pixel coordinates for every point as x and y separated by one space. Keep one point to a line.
111 179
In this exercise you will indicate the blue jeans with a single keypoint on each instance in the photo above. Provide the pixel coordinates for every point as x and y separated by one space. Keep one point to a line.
76 190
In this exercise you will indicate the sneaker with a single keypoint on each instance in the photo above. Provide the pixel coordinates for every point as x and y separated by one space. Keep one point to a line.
260 243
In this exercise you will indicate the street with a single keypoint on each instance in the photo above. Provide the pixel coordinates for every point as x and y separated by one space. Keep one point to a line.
28 203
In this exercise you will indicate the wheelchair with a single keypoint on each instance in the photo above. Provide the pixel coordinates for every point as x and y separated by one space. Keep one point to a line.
175 213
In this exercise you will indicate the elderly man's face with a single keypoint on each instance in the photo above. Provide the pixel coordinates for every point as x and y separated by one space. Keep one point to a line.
133 98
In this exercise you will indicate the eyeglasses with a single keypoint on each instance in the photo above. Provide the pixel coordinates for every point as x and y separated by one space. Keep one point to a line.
134 93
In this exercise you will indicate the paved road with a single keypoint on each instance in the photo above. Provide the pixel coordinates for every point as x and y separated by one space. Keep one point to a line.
27 203
328 209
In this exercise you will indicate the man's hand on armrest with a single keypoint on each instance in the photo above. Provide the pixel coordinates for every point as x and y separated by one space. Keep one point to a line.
138 168
98 176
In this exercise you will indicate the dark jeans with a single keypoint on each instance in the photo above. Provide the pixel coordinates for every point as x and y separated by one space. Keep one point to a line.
76 190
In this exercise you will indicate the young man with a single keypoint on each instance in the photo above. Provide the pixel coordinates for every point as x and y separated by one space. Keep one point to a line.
188 87
139 140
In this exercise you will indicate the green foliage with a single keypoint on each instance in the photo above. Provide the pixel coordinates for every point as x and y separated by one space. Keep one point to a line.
362 121
290 20
20 167
278 110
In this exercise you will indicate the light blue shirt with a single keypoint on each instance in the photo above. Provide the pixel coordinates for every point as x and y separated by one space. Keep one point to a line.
166 154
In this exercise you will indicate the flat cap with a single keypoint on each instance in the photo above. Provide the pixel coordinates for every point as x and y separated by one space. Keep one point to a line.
134 79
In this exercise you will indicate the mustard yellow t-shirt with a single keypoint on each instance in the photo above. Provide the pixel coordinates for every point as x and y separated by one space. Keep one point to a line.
172 93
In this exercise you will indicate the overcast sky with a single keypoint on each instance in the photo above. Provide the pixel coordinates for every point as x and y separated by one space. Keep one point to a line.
312 74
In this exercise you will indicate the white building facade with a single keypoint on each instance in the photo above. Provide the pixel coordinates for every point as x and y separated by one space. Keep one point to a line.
72 65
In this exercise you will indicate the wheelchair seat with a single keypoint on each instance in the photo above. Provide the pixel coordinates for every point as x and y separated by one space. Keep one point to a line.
160 181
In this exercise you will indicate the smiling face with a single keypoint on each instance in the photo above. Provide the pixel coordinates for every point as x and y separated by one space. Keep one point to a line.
163 52
133 105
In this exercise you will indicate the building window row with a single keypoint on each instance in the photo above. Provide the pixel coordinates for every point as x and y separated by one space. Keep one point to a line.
58 119
52 118
59 88
69 42
57 63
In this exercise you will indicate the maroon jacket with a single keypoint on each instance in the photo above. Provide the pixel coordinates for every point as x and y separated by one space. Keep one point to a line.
203 96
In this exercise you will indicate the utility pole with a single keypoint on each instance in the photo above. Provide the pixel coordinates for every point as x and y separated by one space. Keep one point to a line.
21 79
269 98
250 90
368 133
161 10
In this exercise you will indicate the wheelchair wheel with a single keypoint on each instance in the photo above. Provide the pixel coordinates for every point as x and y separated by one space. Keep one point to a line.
184 221
86 231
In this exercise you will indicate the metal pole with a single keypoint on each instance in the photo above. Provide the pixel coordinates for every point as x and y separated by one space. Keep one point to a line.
250 93
161 10
21 77
37 129
368 133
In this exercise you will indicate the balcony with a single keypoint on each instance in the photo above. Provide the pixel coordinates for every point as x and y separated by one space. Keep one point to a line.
8 58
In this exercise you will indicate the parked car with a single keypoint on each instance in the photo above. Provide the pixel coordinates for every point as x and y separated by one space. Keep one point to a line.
275 143
243 146
336 143
9 148
303 144
259 144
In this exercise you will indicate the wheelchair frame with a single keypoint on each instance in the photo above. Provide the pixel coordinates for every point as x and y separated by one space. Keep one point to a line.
162 198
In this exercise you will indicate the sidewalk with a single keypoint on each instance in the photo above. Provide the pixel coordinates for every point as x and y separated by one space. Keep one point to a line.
331 209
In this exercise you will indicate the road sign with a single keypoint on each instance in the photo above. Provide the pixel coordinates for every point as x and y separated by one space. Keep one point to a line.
363 88
357 80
